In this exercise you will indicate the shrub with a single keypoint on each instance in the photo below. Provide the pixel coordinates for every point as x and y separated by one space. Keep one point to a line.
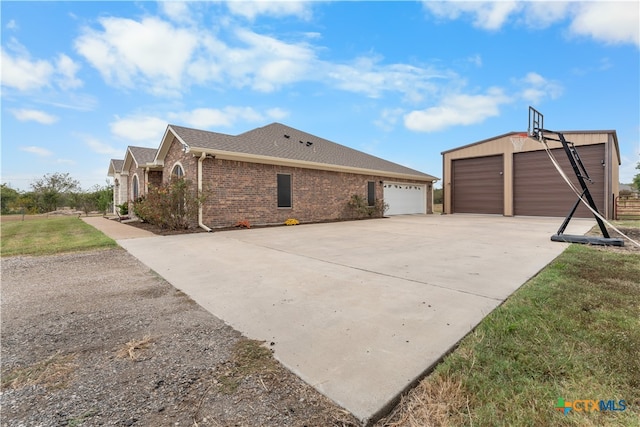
172 205
361 209
123 209
291 221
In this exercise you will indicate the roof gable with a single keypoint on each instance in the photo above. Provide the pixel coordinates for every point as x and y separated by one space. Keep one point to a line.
141 156
115 166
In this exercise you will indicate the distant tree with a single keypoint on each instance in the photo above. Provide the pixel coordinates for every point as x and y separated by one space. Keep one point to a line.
103 196
26 203
636 179
8 198
98 198
52 188
437 196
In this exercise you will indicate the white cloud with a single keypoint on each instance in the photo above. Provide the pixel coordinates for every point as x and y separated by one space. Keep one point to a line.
458 109
145 129
486 15
12 25
177 11
39 151
252 9
268 62
608 22
541 14
22 73
158 57
277 113
389 118
613 22
100 147
536 88
67 70
25 115
127 53
366 75
205 118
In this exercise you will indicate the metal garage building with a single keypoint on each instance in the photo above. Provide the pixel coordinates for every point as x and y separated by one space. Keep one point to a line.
493 177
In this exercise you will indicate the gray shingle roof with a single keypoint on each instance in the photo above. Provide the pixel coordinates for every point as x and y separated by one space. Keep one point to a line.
283 142
117 164
143 155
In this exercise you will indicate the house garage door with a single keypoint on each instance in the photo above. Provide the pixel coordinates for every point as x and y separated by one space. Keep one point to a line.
478 185
405 198
539 190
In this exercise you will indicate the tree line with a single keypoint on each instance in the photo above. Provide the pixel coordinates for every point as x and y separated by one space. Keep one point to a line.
53 191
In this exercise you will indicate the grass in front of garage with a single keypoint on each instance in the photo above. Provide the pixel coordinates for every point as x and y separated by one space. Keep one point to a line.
572 332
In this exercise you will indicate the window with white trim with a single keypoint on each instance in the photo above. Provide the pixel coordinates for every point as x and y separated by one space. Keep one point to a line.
177 171
135 187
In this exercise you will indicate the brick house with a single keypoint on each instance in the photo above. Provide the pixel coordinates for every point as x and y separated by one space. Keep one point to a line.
273 173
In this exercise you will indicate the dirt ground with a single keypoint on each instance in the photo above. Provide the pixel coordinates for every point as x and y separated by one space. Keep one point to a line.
96 339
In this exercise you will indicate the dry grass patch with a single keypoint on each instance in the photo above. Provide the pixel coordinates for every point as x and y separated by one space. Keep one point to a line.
52 373
249 357
134 348
436 401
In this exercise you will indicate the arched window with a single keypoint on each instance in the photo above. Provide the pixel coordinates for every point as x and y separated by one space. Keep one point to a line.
135 187
177 171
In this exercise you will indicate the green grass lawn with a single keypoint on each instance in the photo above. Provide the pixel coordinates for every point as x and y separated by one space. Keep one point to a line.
571 332
50 236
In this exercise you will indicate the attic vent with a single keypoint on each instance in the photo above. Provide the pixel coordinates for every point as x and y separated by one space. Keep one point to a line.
287 136
309 143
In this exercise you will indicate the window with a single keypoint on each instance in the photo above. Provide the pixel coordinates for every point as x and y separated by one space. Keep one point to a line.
284 190
135 187
177 171
371 193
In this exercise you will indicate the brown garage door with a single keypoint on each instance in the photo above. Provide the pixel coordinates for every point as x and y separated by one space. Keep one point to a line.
539 190
478 185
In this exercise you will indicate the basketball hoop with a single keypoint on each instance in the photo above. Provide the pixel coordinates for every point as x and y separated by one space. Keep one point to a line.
518 141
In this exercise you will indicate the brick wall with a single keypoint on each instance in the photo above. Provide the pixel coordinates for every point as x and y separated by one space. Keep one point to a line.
239 190
187 160
155 178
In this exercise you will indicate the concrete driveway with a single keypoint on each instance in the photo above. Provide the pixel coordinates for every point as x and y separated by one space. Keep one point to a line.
360 310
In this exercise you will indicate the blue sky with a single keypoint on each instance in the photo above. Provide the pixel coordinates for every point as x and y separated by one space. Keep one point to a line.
400 80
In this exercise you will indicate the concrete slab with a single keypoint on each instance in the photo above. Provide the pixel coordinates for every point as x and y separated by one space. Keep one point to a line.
362 309
115 229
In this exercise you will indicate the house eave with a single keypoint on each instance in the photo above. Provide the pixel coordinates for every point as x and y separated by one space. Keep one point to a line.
253 158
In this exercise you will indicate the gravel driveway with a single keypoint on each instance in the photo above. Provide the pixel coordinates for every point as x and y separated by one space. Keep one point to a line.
96 338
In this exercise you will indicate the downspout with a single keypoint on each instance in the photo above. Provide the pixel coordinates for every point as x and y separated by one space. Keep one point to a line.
200 160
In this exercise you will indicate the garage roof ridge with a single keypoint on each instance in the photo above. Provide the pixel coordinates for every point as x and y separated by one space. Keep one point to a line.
574 132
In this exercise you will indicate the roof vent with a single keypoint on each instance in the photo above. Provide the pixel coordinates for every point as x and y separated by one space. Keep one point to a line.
301 142
309 143
287 136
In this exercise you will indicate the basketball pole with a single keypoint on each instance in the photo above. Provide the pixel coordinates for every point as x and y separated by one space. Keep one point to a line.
536 130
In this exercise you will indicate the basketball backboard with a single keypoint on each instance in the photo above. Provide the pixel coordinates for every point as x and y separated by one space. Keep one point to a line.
536 124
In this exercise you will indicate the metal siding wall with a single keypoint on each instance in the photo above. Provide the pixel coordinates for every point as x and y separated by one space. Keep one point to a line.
478 185
539 190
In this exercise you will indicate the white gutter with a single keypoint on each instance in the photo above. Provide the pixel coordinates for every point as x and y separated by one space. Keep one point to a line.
200 160
257 158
